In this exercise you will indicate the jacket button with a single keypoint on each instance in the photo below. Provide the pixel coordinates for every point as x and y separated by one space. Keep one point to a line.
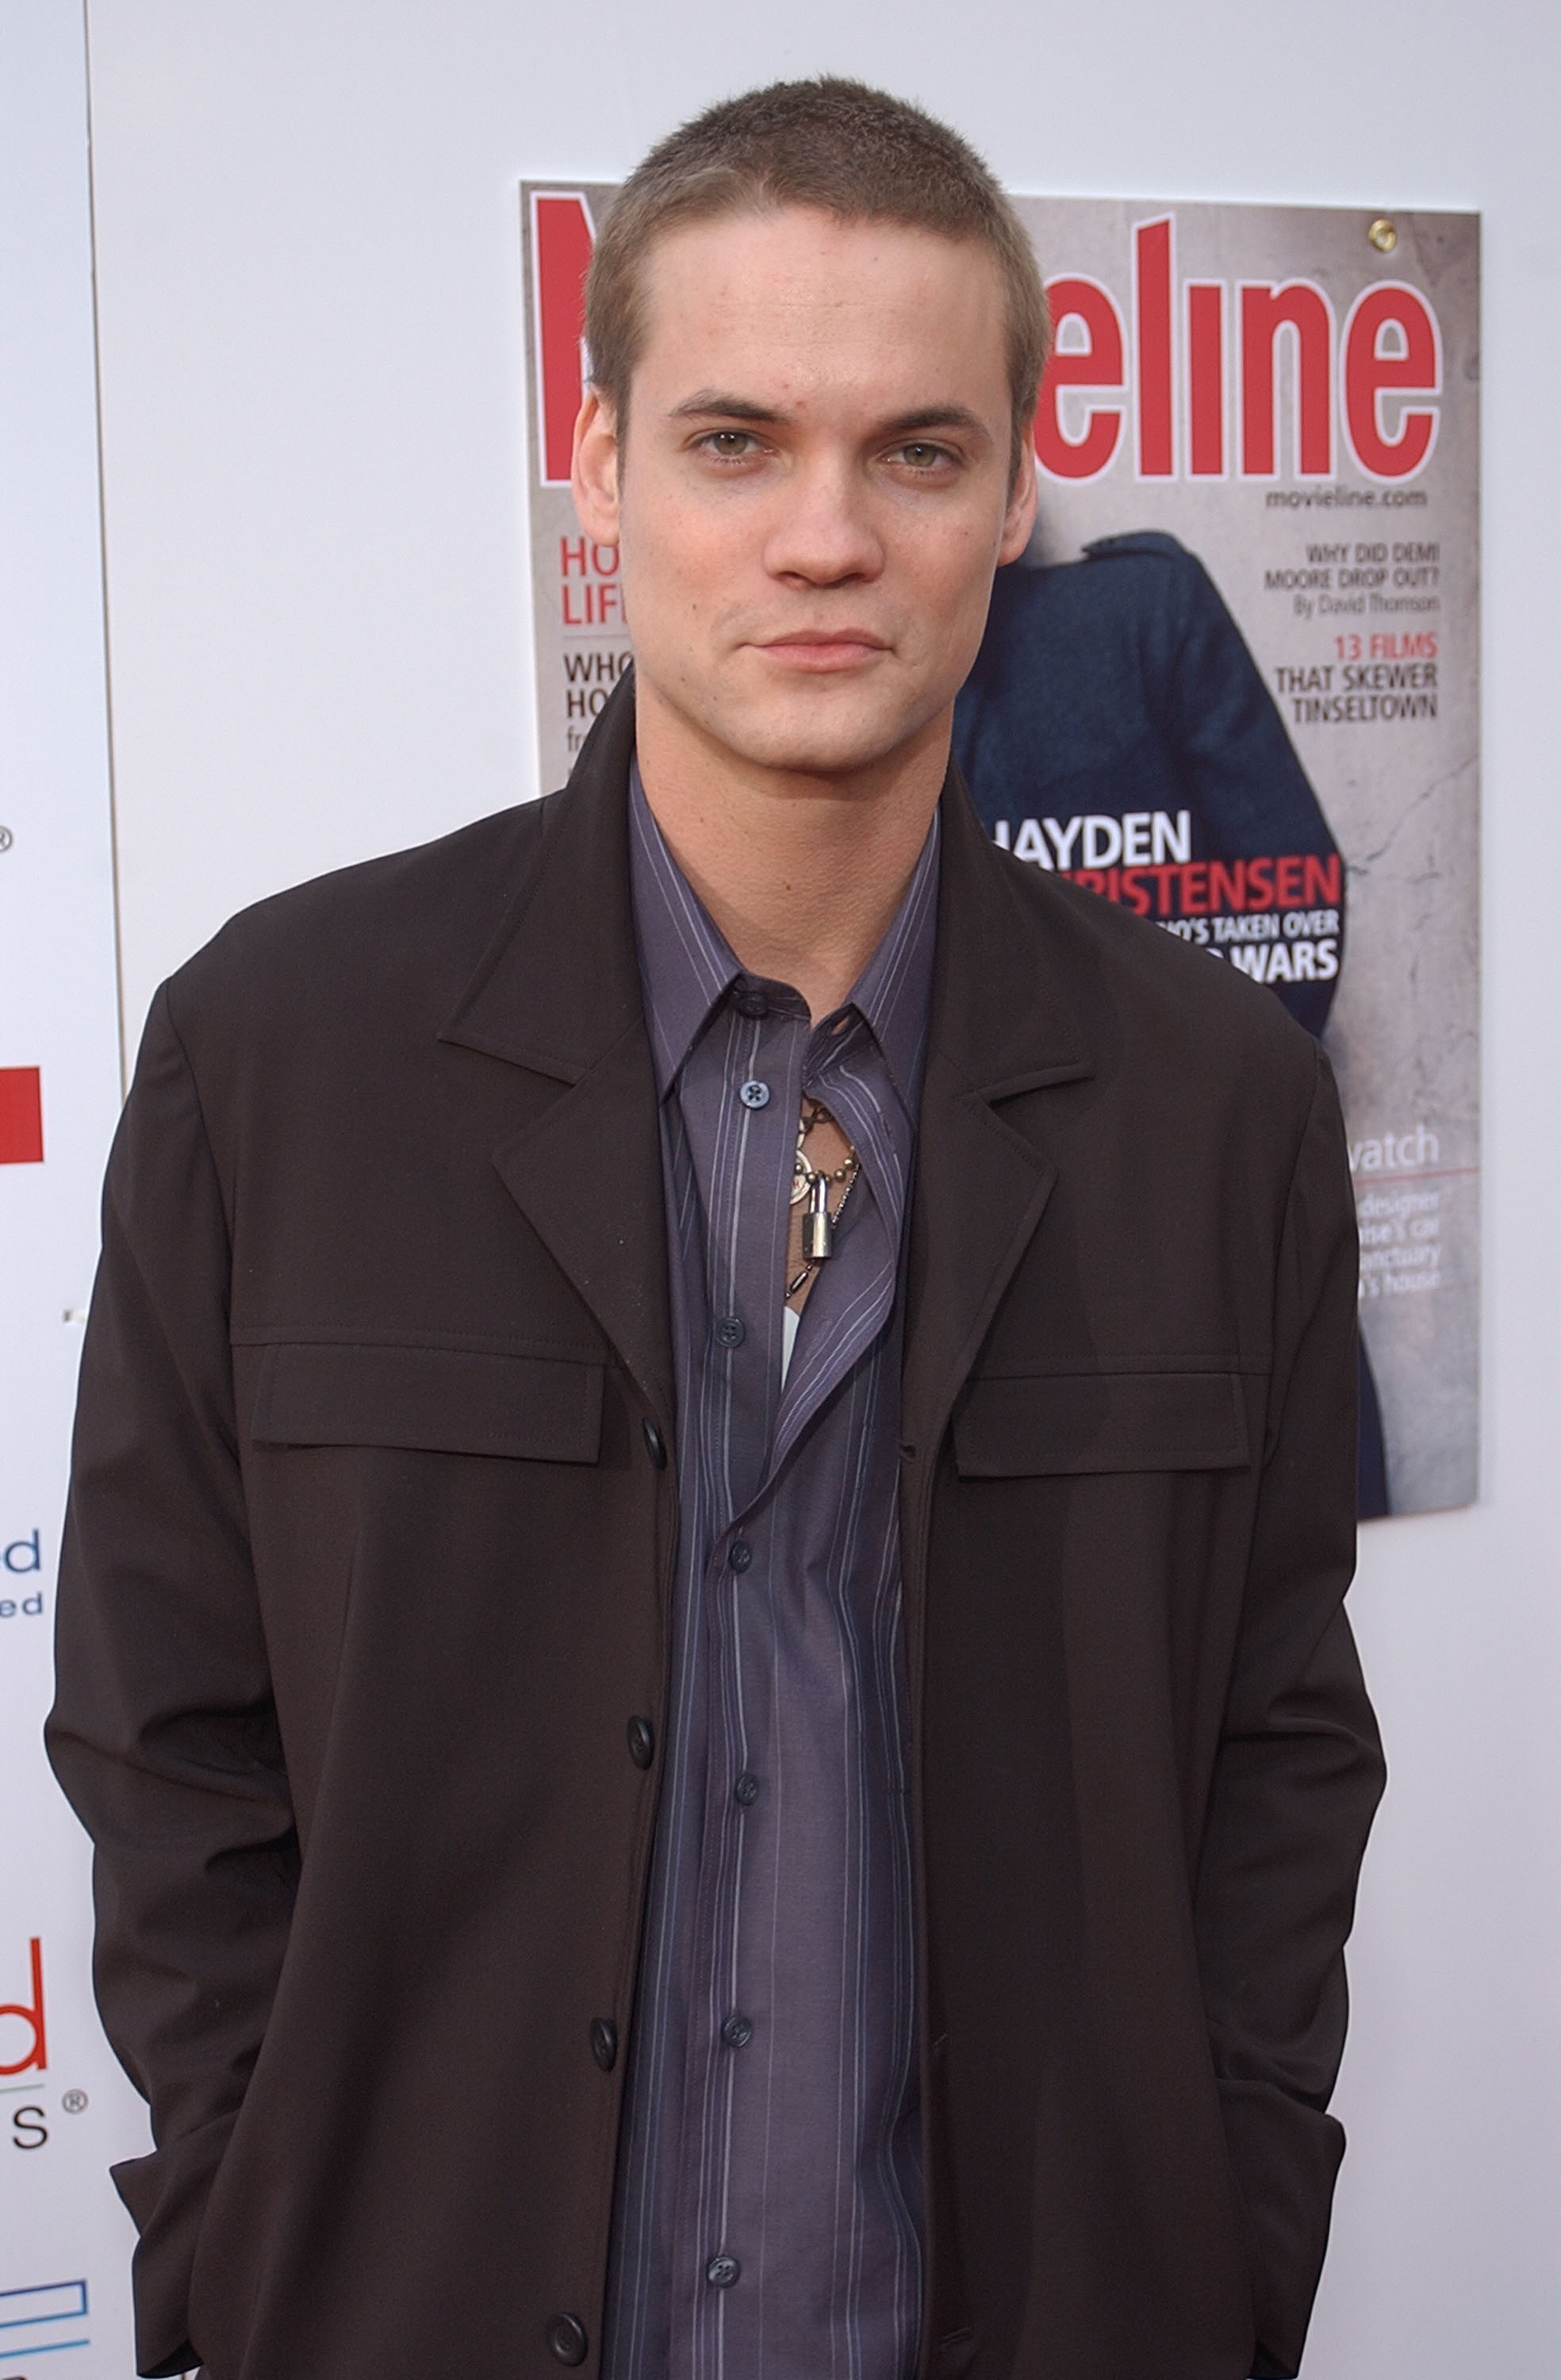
604 2043
655 1444
642 1742
566 2339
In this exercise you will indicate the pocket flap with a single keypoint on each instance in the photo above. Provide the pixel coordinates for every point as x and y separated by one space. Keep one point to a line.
447 1400
1101 1421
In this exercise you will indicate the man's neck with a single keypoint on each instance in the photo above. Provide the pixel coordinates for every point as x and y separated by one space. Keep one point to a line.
802 874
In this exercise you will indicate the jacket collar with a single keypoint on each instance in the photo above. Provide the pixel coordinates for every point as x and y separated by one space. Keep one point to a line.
559 992
559 984
1004 1019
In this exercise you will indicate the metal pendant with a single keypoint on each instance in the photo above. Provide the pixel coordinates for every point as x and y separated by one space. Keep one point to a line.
817 1224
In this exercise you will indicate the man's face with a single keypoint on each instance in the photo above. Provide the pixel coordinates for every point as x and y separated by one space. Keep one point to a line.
814 489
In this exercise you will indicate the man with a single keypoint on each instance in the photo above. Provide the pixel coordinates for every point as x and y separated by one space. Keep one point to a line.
686 1782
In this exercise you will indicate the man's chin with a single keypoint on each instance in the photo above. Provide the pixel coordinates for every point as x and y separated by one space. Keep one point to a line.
817 744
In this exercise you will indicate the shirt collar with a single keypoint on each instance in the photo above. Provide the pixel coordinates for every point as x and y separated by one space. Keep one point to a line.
687 966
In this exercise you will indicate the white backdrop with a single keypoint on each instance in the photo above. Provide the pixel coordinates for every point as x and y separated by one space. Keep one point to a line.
310 314
65 2107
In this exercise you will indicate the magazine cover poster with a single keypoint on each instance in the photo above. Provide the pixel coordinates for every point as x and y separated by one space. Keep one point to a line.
1233 684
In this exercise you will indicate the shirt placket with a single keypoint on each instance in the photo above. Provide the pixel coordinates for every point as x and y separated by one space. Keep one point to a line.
728 2035
747 1212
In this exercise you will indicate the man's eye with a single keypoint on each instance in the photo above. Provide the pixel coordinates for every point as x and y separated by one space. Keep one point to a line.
730 443
921 455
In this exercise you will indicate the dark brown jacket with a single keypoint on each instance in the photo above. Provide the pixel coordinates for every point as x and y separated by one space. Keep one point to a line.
364 1609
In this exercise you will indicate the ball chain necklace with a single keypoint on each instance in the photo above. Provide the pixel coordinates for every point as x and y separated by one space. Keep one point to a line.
810 1191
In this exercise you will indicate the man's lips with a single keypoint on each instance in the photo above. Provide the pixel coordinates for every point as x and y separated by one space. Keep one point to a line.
820 650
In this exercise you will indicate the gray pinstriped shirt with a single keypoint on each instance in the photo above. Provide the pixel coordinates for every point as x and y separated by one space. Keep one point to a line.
767 2223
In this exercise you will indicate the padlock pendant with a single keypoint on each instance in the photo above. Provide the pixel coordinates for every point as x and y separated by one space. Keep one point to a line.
817 1224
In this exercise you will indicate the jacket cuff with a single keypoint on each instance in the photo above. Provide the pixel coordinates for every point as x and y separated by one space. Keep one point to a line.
1286 2159
166 2194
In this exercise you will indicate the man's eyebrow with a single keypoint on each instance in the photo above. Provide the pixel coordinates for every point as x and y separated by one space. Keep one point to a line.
714 403
936 417
706 401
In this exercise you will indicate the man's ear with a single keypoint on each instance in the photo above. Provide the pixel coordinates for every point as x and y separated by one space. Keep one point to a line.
593 470
1020 518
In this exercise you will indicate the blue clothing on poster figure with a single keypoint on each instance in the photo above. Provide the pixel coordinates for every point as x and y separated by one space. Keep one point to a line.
1114 725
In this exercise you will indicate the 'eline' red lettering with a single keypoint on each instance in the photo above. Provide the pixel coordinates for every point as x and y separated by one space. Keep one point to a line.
1415 364
1391 350
1097 364
1266 312
1205 379
1156 419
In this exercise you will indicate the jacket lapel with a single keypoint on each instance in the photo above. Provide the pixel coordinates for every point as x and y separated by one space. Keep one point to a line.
1001 1024
559 993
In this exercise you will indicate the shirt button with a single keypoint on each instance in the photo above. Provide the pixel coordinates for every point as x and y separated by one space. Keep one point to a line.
642 1742
741 1555
566 2339
720 2272
737 2032
755 1095
604 2043
746 1789
730 1330
749 1002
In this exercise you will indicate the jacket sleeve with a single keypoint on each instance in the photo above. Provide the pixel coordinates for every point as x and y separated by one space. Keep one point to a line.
164 1732
1299 1771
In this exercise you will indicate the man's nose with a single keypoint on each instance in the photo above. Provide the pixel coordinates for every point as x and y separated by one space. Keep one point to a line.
824 533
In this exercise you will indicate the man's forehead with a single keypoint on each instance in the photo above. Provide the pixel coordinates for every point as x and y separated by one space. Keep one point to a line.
795 282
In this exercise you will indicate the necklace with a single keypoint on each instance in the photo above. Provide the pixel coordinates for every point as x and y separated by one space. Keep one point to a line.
810 1190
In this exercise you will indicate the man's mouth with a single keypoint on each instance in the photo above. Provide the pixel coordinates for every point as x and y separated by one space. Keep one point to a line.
823 650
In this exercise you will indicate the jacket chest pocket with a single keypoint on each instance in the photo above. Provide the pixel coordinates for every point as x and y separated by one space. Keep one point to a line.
442 1400
1080 1422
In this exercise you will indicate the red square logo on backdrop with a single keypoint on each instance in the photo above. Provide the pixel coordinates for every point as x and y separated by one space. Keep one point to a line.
21 1116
